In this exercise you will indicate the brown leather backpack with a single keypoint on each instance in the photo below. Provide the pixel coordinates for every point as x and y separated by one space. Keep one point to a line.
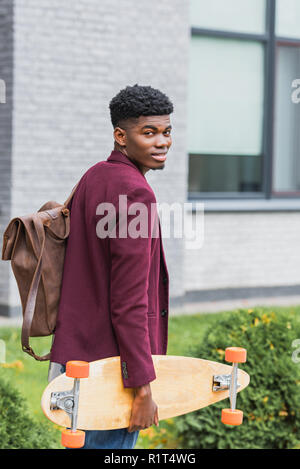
35 244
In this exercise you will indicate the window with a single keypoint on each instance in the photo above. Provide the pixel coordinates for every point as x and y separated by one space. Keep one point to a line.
247 16
243 137
286 175
286 166
287 18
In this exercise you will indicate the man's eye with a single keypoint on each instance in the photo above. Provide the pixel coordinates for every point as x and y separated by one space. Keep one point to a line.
149 132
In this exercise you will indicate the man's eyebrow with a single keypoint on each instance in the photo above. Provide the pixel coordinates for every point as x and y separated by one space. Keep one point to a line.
154 128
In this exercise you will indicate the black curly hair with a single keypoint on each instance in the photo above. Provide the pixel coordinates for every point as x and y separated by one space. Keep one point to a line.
135 101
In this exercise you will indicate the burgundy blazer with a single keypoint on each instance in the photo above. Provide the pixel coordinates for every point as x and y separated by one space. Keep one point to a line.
115 291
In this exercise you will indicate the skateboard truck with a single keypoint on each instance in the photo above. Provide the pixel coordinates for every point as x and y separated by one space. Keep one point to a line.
68 401
235 355
222 383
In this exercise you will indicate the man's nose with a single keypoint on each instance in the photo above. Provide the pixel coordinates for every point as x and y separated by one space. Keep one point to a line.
162 141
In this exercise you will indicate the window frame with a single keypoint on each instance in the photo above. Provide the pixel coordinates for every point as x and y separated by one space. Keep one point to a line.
270 42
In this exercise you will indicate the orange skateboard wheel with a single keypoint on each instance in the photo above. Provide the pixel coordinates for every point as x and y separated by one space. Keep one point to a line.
77 369
71 439
235 354
232 417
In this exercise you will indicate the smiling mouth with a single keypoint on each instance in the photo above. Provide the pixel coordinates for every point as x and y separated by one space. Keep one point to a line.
159 156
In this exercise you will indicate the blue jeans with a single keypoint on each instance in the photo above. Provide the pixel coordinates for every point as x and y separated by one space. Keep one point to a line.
108 439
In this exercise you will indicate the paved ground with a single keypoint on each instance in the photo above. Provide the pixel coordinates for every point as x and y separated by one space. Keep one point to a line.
10 321
226 305
204 307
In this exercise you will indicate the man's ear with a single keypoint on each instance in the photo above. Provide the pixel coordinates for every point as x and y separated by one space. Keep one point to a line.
120 136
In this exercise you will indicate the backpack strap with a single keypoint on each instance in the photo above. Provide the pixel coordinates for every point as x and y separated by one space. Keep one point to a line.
32 294
71 195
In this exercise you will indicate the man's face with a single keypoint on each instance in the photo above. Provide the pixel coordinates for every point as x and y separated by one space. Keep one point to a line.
144 139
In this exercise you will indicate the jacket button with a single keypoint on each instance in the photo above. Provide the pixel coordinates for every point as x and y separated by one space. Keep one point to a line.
164 312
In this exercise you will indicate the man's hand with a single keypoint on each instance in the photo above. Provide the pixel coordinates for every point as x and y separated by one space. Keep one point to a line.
144 411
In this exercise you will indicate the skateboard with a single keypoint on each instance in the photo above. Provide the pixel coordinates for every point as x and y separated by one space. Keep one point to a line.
91 396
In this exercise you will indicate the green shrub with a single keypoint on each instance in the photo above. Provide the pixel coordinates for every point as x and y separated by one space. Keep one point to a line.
271 402
17 429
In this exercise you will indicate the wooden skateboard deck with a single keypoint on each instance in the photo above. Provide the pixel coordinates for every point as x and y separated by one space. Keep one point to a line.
182 385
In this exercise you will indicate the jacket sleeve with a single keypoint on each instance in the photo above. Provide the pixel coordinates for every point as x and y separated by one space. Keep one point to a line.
130 266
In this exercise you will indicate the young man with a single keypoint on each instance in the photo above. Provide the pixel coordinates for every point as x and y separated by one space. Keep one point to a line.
115 290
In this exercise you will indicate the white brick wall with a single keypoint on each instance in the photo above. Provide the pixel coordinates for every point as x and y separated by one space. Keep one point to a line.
70 59
245 250
62 64
6 74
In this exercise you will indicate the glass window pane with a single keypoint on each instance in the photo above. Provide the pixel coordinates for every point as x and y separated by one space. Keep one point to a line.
247 16
225 174
225 98
288 18
286 166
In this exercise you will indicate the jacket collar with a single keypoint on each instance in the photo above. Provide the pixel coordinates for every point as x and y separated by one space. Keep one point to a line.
122 158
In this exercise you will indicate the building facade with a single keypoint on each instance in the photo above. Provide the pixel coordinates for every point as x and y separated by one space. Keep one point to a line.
232 76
